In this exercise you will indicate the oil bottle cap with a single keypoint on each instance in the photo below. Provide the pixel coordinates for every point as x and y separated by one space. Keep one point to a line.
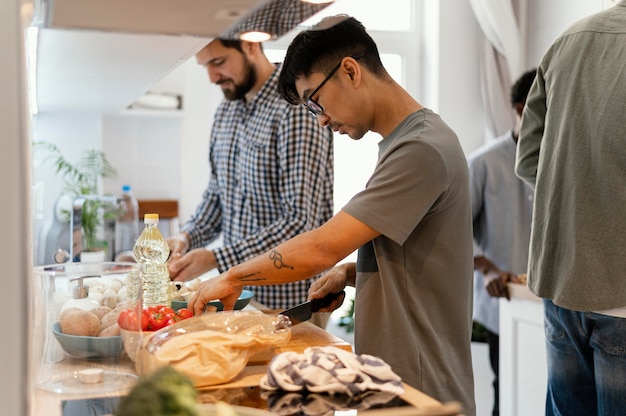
151 219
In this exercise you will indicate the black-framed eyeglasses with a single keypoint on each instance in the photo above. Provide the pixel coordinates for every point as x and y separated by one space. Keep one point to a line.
310 103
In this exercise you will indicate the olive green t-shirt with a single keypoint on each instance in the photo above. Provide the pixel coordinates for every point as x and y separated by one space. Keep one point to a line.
415 310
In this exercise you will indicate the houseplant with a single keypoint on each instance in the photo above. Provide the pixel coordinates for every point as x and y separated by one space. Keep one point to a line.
82 178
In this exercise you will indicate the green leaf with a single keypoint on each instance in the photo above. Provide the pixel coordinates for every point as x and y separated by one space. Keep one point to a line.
81 178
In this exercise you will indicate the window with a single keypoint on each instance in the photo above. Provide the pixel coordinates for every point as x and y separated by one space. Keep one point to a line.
392 24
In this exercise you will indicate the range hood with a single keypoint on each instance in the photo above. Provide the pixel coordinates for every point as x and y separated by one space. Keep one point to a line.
100 55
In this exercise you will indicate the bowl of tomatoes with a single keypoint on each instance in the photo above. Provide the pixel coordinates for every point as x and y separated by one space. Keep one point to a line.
138 326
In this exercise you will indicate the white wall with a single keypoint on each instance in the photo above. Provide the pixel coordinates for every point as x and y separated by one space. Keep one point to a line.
145 149
451 69
547 19
73 133
161 154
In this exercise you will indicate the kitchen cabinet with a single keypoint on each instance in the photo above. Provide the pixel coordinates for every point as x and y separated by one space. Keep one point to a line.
523 368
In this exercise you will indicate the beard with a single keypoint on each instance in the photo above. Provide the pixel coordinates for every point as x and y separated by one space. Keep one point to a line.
240 90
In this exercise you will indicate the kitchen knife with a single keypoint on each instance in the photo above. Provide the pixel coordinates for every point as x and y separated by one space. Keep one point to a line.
304 311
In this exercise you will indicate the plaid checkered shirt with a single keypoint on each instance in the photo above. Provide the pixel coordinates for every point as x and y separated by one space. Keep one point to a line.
271 179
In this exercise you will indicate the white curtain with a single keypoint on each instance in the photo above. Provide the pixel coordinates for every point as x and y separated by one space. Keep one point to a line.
500 59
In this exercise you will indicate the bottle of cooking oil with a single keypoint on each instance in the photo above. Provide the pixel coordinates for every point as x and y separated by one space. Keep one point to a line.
152 251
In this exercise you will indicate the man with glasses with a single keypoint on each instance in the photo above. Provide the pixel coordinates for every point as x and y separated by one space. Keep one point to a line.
271 173
411 225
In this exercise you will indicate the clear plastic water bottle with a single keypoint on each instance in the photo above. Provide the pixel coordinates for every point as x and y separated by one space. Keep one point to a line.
127 222
152 251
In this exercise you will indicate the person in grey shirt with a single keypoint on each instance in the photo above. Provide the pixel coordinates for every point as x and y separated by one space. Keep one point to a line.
501 213
572 149
411 224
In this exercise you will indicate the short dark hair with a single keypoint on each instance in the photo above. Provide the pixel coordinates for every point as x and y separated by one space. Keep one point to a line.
322 47
234 44
231 43
519 90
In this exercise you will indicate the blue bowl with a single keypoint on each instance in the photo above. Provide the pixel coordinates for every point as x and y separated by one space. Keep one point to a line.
91 348
242 302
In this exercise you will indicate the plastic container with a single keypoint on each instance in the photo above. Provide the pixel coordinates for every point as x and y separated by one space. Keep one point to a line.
152 251
127 222
60 361
80 297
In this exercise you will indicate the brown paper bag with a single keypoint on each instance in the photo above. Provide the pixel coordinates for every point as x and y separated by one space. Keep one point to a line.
213 348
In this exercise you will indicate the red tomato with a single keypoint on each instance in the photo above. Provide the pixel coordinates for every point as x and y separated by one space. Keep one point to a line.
151 309
127 319
157 321
184 313
166 309
173 319
157 317
145 317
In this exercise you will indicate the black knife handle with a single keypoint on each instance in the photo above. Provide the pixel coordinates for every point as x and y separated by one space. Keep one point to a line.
317 304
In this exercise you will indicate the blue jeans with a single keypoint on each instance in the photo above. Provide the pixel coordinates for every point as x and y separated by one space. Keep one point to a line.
586 355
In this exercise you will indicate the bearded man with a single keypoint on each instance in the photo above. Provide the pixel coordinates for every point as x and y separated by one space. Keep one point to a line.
271 176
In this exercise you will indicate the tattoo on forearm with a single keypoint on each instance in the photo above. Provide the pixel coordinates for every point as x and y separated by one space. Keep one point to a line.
277 258
252 277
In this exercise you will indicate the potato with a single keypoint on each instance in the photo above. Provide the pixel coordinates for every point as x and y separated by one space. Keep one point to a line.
109 298
100 311
127 304
96 289
114 284
68 310
81 323
96 296
112 331
109 319
92 282
122 294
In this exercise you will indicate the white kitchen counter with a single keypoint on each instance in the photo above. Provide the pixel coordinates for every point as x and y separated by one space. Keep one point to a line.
523 370
122 371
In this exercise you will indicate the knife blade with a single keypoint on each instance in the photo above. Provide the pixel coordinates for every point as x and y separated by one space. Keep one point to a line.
304 311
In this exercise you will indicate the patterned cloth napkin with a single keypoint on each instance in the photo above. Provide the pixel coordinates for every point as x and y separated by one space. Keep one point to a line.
330 370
